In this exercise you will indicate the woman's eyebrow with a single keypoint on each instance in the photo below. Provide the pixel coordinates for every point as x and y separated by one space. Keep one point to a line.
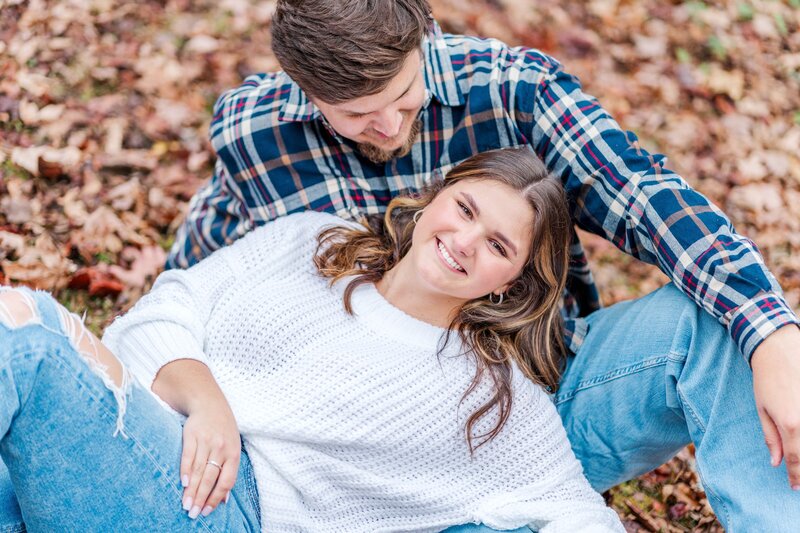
505 240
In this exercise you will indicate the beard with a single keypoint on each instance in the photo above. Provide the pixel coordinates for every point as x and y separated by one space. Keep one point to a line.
379 155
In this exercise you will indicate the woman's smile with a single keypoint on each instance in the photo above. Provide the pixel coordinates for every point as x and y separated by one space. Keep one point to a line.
448 260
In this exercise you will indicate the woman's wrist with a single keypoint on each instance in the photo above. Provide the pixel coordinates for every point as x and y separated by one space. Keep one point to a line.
188 385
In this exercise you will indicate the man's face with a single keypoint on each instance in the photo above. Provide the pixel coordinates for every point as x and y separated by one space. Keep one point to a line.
384 124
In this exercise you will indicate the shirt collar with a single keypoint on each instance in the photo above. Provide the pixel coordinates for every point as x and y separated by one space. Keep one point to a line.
298 108
440 82
440 78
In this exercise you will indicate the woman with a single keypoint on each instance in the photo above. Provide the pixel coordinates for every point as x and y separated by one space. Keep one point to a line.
382 379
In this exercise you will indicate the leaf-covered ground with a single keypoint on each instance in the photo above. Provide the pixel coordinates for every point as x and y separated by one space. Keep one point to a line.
104 107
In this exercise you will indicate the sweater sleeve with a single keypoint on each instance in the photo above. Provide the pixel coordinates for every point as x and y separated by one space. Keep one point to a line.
170 322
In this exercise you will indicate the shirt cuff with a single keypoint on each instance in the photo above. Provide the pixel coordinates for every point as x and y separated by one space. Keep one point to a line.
757 319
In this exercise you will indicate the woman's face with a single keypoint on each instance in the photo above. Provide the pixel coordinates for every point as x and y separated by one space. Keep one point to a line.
472 239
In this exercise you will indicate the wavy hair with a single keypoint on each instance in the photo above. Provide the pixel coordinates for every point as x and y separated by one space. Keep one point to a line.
526 328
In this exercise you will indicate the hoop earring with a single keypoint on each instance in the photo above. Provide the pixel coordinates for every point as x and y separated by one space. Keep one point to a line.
498 302
415 218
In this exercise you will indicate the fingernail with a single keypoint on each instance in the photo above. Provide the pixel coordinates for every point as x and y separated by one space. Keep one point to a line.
206 510
187 503
194 512
185 480
227 497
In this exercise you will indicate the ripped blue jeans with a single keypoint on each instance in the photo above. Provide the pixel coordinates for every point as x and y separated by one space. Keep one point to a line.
84 448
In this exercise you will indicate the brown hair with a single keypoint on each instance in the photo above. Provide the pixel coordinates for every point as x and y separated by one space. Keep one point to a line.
526 328
338 50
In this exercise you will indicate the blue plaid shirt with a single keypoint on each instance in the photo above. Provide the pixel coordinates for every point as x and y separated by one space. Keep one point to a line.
278 155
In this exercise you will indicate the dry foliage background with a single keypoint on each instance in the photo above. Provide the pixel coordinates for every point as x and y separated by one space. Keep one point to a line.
104 107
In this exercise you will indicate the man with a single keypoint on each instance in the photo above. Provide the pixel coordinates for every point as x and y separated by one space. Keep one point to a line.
375 101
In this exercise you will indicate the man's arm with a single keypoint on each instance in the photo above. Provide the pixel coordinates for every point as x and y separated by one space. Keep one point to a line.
217 217
621 192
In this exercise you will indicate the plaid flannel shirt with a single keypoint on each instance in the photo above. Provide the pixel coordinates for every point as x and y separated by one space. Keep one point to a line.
278 155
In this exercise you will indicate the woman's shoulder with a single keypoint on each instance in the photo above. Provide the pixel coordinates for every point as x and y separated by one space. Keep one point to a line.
313 221
294 225
291 237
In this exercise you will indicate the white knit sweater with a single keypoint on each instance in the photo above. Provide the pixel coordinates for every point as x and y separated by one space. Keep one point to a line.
352 423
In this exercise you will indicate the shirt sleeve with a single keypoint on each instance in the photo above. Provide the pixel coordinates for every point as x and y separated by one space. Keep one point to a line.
216 217
623 193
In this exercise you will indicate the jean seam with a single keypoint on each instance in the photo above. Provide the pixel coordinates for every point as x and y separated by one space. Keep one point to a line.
706 487
688 408
251 488
610 376
721 503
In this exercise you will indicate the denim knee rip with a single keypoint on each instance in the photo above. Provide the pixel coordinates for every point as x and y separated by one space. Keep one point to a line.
18 309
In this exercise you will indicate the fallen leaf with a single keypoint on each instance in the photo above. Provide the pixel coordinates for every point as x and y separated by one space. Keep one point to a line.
115 134
128 159
146 264
96 281
11 244
202 44
32 115
41 266
126 195
46 161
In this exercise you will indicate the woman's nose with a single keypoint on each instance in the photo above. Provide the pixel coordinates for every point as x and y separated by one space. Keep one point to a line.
464 242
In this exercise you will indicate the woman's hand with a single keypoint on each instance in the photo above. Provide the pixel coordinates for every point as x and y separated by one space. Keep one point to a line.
210 458
776 384
210 434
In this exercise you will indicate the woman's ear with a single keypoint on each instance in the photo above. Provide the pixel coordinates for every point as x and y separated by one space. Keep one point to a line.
501 290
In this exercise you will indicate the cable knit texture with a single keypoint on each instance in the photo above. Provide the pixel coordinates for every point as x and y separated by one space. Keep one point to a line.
353 423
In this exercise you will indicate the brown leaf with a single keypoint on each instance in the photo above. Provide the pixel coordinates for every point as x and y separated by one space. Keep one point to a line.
730 82
19 206
202 44
104 231
11 244
97 281
30 113
146 265
41 266
128 159
115 134
46 161
127 195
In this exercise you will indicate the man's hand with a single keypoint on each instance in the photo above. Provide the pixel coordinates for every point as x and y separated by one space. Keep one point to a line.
776 384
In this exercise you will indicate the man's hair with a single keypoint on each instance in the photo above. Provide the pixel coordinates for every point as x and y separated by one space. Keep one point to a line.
338 50
526 327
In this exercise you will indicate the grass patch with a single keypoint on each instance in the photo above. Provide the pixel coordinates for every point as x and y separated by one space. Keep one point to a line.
97 312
